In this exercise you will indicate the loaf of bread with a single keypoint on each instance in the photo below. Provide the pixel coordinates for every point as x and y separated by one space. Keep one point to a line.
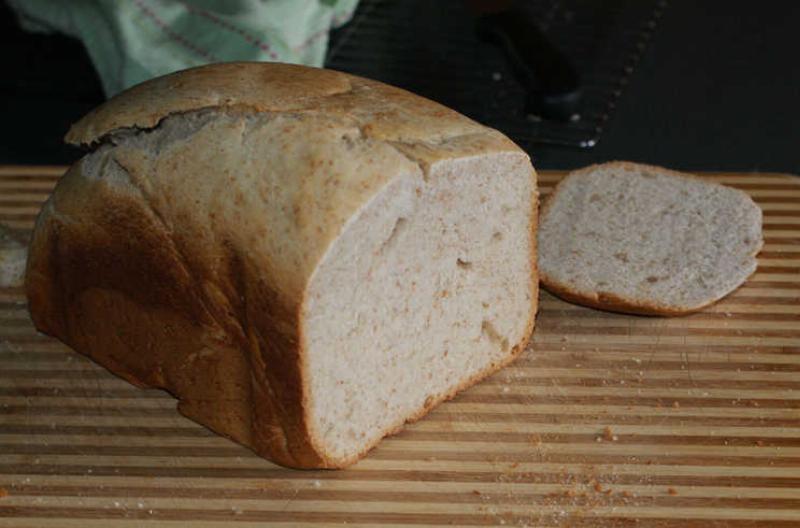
640 239
307 260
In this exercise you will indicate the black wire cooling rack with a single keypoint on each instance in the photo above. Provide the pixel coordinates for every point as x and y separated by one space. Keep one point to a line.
430 47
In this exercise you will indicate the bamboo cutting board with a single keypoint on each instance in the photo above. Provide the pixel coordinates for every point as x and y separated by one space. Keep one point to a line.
607 420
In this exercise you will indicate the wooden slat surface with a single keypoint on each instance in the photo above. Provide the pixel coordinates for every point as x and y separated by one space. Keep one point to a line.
607 420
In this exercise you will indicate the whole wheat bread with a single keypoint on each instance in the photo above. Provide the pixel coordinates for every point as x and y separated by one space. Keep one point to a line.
307 260
641 239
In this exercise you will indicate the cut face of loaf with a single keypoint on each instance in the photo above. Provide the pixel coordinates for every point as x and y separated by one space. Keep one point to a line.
642 239
427 290
306 260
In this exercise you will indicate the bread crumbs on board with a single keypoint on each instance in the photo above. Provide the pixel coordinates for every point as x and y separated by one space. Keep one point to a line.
607 435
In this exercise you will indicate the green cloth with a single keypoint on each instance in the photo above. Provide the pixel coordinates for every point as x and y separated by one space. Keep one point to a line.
130 41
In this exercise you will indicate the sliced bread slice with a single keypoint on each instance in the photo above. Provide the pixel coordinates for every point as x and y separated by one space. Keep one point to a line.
641 239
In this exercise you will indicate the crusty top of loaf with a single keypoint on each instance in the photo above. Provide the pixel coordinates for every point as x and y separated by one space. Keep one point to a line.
382 112
272 87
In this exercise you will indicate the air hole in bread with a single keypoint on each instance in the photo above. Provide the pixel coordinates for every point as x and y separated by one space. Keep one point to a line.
488 329
399 226
463 264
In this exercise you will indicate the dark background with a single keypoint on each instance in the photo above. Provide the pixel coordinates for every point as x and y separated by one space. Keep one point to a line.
717 88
